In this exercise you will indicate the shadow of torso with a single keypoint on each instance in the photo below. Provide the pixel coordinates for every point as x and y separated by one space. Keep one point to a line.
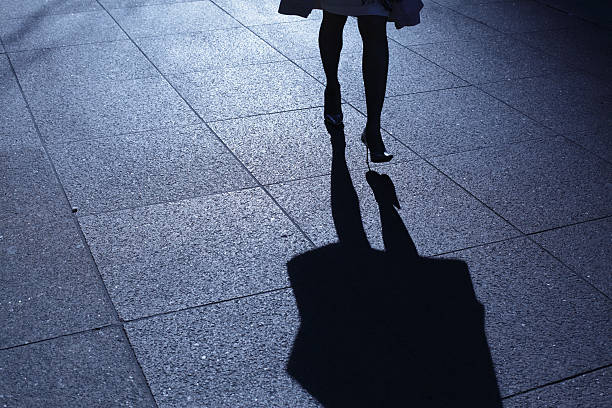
386 328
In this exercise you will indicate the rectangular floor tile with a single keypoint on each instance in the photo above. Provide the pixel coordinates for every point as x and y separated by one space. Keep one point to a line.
220 94
91 369
586 248
36 8
440 24
59 30
300 39
112 4
598 142
291 145
49 284
30 189
117 60
144 168
535 185
542 322
587 47
439 216
589 390
519 16
208 50
106 108
261 12
176 18
408 73
567 102
171 256
490 59
16 126
225 355
443 122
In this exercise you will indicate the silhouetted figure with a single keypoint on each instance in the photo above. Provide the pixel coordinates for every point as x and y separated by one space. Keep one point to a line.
372 17
385 328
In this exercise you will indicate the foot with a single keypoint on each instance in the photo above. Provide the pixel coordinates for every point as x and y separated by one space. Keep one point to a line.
376 147
332 112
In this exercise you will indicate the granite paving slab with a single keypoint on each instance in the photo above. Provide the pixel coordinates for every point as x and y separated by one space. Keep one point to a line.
175 18
580 102
145 168
30 189
439 216
113 4
589 390
106 108
587 47
72 65
49 284
292 145
439 24
16 127
224 355
519 16
220 94
598 142
167 257
59 30
36 8
95 368
586 248
448 121
536 185
408 73
217 49
261 12
543 323
490 59
300 39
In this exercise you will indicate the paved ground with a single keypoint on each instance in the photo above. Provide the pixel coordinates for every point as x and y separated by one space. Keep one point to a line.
161 161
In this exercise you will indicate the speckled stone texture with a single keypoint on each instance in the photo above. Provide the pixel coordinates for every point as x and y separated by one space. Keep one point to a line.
439 216
543 193
50 285
590 390
146 168
225 355
455 120
171 256
220 94
598 142
59 30
542 322
581 102
408 73
72 65
89 369
106 108
292 145
262 12
217 49
164 19
519 16
37 8
585 248
490 59
439 24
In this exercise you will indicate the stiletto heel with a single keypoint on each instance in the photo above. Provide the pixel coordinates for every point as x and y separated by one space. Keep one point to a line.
332 110
376 147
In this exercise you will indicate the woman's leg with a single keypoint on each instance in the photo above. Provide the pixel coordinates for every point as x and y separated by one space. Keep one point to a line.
375 64
330 45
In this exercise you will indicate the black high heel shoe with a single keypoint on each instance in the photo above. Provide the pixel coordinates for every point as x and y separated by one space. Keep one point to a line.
374 144
332 111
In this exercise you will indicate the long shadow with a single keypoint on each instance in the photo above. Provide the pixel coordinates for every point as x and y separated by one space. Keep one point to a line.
386 328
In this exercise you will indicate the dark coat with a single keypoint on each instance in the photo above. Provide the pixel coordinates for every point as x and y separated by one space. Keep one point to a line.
401 12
